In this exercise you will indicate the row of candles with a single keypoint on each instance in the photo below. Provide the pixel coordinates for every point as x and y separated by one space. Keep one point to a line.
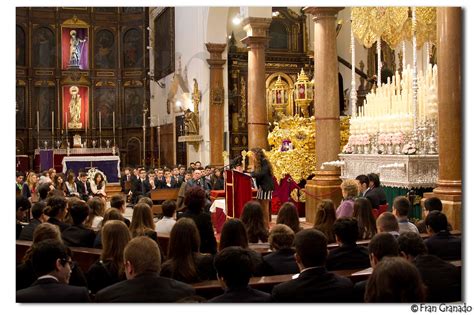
390 107
67 122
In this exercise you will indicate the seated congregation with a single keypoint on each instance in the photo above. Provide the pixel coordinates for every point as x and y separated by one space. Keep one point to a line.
350 254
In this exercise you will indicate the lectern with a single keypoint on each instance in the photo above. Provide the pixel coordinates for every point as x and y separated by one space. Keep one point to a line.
238 190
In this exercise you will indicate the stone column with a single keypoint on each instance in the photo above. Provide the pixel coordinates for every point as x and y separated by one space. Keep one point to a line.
256 41
325 185
449 50
216 102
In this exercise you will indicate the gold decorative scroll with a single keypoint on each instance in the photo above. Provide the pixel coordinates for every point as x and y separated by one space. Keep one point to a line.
392 24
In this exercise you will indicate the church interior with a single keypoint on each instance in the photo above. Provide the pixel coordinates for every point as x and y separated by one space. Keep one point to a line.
320 95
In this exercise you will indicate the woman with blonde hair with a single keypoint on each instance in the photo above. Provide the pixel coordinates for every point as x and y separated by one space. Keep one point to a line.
109 269
185 263
30 187
350 191
325 218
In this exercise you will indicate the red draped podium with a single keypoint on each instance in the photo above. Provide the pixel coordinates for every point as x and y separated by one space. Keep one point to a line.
238 190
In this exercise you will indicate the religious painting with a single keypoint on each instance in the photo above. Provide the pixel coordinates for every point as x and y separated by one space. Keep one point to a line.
75 106
104 102
164 43
301 91
45 98
75 48
20 46
133 107
104 50
132 48
278 36
20 107
44 53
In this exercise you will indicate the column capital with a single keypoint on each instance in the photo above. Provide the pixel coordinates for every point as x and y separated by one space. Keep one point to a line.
255 42
322 12
216 50
255 26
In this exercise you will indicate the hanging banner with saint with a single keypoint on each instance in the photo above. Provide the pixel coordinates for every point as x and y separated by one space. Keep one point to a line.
75 48
75 106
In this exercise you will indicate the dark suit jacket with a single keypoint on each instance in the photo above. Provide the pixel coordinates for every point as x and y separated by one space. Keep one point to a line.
242 295
444 245
126 185
82 192
78 236
373 197
27 232
442 278
61 224
146 287
348 256
314 285
206 231
50 290
138 188
281 262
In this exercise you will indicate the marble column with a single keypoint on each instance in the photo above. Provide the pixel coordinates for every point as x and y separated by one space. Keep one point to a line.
449 56
256 42
216 102
325 185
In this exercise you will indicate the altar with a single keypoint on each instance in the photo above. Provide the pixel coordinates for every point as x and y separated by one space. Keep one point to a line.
110 165
53 158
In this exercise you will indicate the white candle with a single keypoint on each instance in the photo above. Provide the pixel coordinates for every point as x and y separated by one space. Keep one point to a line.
100 122
38 122
52 123
113 122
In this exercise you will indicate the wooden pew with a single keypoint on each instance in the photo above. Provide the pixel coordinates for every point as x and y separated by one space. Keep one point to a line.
212 288
84 256
160 195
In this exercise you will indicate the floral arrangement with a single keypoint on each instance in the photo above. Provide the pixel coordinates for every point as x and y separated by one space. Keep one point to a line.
397 138
348 148
91 174
409 148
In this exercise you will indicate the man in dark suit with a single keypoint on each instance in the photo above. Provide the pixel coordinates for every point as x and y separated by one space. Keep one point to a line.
23 205
142 187
441 243
77 234
348 255
375 193
84 187
38 218
53 266
144 284
234 268
126 181
442 278
314 283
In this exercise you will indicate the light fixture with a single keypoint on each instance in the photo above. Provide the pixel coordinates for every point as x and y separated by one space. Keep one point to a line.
303 92
237 19
275 13
279 96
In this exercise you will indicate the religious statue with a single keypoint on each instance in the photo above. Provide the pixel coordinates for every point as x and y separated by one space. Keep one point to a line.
75 108
191 122
75 49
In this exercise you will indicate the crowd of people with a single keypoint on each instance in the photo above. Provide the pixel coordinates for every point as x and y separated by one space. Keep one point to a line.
56 212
